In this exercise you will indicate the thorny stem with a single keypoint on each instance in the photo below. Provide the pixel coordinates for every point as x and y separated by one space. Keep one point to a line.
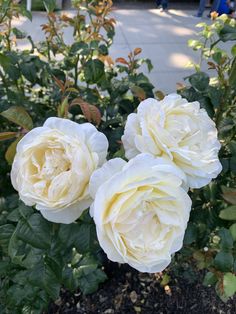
8 36
76 71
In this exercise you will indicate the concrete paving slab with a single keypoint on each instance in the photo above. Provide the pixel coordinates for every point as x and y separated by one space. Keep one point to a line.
159 33
166 81
119 50
167 57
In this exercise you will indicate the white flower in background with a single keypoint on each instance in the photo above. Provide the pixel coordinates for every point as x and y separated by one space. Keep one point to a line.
140 211
178 130
53 166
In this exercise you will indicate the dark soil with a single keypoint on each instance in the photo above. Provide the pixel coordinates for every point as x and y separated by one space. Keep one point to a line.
130 292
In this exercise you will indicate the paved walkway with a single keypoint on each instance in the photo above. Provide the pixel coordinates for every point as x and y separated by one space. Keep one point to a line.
162 36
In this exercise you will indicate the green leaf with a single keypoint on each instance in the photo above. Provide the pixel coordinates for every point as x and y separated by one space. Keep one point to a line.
103 50
195 44
26 13
199 81
20 277
25 211
189 93
2 204
67 234
226 125
232 163
6 232
149 65
224 261
207 105
93 71
165 280
16 295
8 65
43 276
232 147
35 231
81 235
18 33
16 249
215 95
226 239
29 71
69 279
218 56
229 194
210 279
4 267
50 5
232 74
233 51
190 234
32 257
228 213
79 47
56 264
19 116
89 277
11 150
232 230
227 33
229 283
86 239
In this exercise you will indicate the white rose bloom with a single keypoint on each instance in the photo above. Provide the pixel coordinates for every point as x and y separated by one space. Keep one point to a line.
53 166
140 211
178 130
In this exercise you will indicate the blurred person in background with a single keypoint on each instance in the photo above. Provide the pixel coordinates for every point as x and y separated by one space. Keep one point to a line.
163 4
202 4
226 7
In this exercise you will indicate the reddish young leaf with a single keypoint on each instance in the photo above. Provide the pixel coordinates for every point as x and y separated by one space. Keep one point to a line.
59 84
137 51
91 112
122 60
7 135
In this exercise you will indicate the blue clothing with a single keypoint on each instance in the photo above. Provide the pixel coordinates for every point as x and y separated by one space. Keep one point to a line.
163 3
223 7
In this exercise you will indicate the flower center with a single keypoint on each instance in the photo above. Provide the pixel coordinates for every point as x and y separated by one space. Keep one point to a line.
55 162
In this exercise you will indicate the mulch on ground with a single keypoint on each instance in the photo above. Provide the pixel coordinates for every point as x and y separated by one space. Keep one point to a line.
130 292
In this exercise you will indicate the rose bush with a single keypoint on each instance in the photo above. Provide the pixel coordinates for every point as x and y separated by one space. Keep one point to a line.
53 165
178 130
140 211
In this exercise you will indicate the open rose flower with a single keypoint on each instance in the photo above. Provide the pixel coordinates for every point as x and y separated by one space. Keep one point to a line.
178 130
53 166
140 211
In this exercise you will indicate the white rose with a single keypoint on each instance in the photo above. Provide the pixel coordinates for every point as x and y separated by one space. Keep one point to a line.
53 166
178 130
140 211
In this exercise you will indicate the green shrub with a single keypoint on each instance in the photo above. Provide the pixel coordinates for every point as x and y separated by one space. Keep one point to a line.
81 82
210 236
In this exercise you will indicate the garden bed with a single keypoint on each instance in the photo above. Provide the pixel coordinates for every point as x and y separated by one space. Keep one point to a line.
130 292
